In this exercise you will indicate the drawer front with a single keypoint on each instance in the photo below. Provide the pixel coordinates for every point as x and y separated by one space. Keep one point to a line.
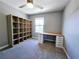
59 45
40 38
58 37
59 41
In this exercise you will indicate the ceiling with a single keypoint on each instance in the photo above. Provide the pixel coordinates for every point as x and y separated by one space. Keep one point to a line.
49 5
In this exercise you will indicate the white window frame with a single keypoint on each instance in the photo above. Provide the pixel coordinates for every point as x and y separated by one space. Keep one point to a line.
42 25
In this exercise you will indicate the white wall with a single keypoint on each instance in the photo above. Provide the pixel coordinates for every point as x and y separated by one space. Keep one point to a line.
3 30
53 22
71 29
5 10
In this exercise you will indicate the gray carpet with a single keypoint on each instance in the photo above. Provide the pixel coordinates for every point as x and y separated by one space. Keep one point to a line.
30 49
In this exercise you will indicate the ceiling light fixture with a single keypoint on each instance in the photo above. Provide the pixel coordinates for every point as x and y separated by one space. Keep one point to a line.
30 5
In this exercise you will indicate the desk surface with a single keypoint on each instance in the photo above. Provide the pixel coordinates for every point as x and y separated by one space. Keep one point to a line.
56 34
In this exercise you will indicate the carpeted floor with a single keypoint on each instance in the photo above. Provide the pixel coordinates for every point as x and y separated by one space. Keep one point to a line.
30 49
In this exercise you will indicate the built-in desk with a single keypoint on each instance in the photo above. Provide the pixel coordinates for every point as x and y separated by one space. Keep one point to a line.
57 38
56 34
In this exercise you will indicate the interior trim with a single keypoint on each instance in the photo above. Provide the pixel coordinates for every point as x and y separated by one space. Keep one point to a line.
66 53
4 46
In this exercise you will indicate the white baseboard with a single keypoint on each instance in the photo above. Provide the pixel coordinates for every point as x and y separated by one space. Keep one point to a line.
3 47
66 53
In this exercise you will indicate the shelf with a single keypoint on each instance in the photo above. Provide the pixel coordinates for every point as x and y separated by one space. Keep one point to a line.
15 31
15 24
21 20
15 36
15 39
16 42
21 35
24 34
24 23
19 28
20 32
15 19
25 38
28 37
15 28
21 40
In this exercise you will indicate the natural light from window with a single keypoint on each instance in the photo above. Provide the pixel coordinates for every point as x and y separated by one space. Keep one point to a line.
39 24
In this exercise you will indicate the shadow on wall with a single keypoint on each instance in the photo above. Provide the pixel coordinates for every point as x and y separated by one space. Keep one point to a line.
71 29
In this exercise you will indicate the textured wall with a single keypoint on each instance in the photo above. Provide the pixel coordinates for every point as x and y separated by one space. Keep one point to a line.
71 29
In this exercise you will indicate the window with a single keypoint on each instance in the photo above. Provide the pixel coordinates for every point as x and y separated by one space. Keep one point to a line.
39 24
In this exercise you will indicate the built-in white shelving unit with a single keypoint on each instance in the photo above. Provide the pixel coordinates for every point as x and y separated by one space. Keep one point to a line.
19 29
